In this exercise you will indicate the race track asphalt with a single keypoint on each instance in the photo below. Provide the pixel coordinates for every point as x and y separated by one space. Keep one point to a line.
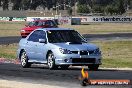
39 74
15 39
65 78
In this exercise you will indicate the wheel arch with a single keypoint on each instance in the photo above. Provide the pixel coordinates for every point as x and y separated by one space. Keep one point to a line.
21 53
49 51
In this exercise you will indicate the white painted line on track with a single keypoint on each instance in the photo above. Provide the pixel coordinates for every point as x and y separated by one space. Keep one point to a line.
15 84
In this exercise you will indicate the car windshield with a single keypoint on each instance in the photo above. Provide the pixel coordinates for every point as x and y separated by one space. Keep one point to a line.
36 23
32 24
41 23
58 36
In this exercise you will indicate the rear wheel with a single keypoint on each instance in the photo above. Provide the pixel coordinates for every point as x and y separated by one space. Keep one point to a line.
93 67
24 60
51 61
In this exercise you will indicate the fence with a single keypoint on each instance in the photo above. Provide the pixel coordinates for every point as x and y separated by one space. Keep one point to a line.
67 20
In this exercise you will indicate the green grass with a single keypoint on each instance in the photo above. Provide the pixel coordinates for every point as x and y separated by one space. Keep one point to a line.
13 28
116 53
8 51
101 28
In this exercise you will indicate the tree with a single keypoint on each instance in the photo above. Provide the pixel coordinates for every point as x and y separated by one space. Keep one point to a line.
25 4
16 4
111 10
70 11
116 7
121 7
5 4
98 9
83 9
130 4
49 4
82 2
0 3
87 5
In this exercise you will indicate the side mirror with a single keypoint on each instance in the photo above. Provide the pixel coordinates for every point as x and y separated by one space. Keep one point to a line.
42 40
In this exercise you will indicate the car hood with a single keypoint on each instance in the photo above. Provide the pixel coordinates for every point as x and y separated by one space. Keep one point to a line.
77 47
31 28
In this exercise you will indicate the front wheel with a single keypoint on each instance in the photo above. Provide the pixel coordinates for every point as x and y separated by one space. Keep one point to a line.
93 67
51 61
24 60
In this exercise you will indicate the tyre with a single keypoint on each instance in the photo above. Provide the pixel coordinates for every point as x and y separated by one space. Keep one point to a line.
51 61
24 60
93 67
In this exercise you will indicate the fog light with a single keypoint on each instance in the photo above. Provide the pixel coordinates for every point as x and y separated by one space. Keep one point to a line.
66 60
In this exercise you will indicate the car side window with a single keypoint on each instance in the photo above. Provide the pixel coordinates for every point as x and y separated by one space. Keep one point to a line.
50 23
42 35
30 23
40 23
36 35
43 23
36 23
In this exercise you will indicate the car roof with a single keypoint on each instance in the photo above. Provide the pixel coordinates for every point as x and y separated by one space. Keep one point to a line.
48 29
42 20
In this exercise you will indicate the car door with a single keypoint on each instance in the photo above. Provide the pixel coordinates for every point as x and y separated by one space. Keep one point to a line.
41 48
31 45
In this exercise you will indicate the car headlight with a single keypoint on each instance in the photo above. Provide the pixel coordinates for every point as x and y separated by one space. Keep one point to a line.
65 51
23 31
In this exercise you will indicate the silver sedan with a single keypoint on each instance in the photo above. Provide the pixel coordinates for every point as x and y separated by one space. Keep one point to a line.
58 47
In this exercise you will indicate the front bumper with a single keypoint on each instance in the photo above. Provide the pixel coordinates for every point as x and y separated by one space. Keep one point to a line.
24 34
78 60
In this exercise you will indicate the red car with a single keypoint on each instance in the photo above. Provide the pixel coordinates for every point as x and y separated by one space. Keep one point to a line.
37 24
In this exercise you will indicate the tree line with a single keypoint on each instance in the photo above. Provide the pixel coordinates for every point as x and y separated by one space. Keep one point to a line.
111 7
33 4
106 7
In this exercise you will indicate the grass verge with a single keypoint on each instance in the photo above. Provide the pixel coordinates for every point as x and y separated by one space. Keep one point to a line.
115 53
101 28
8 51
13 28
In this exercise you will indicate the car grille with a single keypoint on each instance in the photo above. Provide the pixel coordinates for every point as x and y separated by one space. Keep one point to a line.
83 60
83 52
